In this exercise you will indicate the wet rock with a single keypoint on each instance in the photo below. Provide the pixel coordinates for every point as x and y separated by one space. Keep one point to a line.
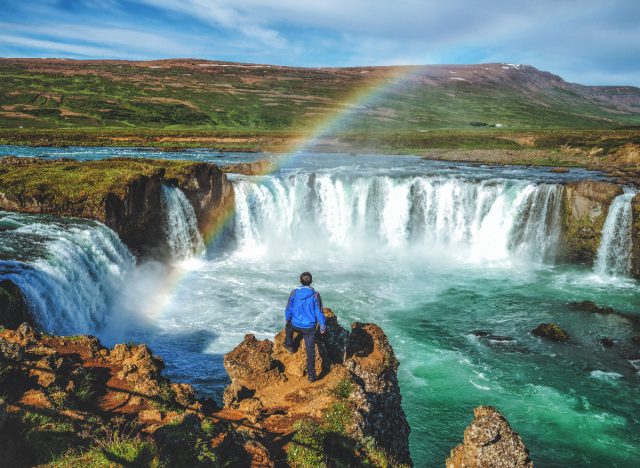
607 342
259 167
13 308
550 331
589 306
586 204
489 441
635 340
480 333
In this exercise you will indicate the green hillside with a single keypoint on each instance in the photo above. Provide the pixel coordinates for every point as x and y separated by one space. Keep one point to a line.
227 97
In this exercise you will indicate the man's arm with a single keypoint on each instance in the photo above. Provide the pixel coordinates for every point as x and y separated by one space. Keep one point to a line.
288 312
319 312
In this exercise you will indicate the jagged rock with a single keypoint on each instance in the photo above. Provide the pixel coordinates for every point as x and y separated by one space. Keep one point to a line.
138 366
586 204
251 364
27 336
184 394
550 331
489 441
10 350
361 362
151 415
590 306
13 308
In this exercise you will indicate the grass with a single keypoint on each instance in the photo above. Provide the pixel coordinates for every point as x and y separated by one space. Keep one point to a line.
79 188
132 452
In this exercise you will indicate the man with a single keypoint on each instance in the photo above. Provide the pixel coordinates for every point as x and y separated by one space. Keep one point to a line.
303 314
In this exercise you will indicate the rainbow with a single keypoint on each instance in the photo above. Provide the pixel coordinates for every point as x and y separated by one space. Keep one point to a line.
390 79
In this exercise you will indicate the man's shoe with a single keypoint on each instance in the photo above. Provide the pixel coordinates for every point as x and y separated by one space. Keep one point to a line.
290 349
312 379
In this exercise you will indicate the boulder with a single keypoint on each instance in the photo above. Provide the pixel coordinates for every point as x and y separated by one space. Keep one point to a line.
234 394
489 441
251 364
550 331
590 306
138 366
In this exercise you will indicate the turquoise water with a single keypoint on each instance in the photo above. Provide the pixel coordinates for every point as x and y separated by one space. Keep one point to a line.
429 272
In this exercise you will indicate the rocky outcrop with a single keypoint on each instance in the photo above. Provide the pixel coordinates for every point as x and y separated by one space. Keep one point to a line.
356 401
126 195
64 393
586 204
13 308
489 441
550 331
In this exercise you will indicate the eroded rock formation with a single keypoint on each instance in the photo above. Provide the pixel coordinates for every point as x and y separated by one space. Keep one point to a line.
130 202
586 204
356 403
489 441
13 308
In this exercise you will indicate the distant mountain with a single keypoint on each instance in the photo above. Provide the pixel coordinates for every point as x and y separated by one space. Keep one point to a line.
200 94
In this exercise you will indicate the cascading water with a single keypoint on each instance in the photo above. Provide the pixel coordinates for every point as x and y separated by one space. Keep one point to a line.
182 232
488 219
614 252
69 271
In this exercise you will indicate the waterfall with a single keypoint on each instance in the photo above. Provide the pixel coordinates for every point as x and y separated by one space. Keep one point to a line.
181 226
614 252
480 219
69 271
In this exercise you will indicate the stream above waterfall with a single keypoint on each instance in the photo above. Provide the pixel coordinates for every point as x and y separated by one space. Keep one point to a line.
432 252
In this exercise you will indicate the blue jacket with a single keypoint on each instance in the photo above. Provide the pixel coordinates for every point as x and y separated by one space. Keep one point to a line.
304 308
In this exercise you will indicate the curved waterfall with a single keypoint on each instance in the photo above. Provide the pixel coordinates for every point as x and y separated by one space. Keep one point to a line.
614 252
182 232
488 219
69 271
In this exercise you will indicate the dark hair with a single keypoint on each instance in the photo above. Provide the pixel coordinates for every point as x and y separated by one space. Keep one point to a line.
305 278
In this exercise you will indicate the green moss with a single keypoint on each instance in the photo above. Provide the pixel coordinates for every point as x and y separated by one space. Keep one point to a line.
306 448
343 389
80 188
338 418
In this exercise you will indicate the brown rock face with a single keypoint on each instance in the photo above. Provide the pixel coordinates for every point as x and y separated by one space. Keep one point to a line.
586 204
260 167
489 441
358 377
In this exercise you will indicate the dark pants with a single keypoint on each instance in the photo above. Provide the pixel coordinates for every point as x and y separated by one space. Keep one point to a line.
309 335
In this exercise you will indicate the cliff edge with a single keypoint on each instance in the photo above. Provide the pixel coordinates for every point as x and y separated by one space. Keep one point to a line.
74 401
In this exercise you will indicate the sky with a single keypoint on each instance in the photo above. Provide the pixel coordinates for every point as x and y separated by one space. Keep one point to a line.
584 41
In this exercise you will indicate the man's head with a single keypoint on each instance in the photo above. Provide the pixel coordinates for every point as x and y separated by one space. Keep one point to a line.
306 279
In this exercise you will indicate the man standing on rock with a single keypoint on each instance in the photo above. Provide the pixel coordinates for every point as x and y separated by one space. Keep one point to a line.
303 314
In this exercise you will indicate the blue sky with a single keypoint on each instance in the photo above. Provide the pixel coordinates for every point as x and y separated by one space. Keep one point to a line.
585 41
